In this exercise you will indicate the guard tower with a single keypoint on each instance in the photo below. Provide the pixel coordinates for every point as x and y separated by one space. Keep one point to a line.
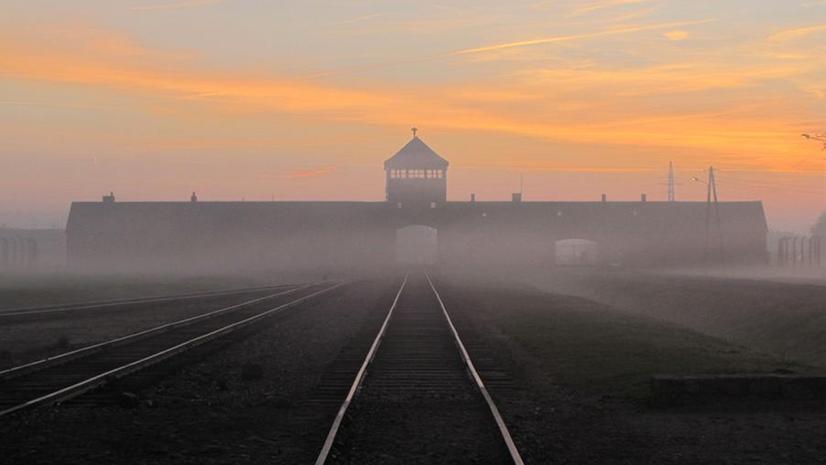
416 175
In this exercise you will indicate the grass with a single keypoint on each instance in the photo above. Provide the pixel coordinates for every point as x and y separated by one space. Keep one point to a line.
596 349
785 319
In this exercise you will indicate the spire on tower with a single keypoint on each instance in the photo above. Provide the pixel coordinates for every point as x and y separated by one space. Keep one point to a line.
415 130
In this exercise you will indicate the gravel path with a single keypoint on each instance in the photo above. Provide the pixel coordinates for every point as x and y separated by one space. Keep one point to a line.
417 404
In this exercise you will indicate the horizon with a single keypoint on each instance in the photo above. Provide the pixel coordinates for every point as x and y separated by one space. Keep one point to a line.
233 99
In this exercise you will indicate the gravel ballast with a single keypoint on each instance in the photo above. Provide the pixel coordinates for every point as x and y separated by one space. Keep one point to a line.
210 411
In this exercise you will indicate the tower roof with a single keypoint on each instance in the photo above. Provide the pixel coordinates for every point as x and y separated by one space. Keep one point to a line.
416 155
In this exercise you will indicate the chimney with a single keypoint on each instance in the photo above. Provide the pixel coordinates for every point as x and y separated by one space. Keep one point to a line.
472 198
516 197
644 198
604 198
194 198
109 198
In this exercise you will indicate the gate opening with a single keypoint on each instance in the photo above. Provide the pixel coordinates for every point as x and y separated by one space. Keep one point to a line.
417 245
576 252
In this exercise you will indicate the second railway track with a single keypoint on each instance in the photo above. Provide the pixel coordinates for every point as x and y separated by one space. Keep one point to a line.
68 375
417 397
18 315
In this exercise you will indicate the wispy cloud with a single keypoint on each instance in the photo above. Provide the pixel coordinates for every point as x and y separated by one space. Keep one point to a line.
676 36
789 35
175 5
359 19
605 4
585 36
310 173
620 106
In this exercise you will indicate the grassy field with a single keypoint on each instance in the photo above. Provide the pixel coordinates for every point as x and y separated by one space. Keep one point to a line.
786 319
581 369
595 348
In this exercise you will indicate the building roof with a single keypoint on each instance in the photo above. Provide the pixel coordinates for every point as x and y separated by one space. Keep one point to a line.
416 155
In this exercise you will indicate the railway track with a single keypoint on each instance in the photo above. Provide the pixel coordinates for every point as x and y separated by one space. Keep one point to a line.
68 375
417 396
53 311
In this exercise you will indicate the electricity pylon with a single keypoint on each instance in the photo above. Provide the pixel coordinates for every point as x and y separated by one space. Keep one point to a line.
713 204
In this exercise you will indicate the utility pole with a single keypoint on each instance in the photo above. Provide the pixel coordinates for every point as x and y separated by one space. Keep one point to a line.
671 193
712 203
820 137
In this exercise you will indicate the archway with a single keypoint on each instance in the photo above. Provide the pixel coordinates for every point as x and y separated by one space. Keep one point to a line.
576 252
417 245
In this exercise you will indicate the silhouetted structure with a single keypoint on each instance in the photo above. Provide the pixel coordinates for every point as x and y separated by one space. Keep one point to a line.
351 234
30 249
416 175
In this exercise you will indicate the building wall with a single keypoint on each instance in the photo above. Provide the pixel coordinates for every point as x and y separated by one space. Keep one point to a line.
417 190
31 249
349 235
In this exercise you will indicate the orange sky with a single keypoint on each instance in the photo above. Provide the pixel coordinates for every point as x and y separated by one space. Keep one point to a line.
235 100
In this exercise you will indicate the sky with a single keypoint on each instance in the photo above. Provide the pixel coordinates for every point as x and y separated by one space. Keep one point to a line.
289 100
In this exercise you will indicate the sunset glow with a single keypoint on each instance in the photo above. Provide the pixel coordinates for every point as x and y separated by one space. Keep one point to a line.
261 100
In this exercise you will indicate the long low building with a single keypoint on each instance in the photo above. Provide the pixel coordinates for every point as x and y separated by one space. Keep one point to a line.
32 249
414 223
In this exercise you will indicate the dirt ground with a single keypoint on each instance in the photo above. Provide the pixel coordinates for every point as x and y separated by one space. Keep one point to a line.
43 289
24 340
208 412
582 370
576 386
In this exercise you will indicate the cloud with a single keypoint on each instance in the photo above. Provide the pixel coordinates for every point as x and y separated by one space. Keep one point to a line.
658 80
575 37
586 106
310 173
796 33
605 4
175 6
676 36
360 19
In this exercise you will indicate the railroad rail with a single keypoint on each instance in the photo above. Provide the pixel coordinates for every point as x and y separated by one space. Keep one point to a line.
111 304
65 376
416 358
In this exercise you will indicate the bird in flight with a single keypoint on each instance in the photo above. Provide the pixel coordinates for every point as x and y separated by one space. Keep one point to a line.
817 137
